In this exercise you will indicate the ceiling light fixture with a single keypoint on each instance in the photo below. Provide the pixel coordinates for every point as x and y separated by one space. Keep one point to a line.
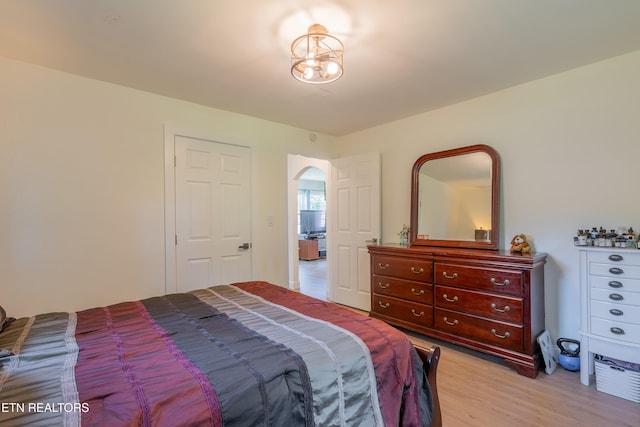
316 57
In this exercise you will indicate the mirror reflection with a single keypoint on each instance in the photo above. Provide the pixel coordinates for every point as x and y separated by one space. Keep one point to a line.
461 186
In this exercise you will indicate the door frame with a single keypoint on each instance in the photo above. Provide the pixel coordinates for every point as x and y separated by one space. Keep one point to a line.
170 134
296 166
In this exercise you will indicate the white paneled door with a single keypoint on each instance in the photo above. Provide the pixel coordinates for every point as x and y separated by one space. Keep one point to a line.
355 187
213 213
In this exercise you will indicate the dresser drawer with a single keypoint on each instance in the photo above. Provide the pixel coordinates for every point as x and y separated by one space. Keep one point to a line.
615 270
488 305
615 283
419 314
616 257
622 297
495 280
405 289
403 268
504 335
616 312
620 331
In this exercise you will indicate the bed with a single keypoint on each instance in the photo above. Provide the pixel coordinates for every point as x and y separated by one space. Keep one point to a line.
244 354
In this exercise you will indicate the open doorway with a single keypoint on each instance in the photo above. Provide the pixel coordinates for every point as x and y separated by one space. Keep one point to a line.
312 233
309 226
352 220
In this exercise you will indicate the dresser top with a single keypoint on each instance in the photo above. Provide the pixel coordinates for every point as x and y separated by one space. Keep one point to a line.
476 254
607 249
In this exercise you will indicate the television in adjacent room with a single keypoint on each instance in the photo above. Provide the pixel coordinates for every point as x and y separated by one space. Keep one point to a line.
312 222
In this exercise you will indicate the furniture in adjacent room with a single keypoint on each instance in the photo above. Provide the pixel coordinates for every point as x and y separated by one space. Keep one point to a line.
452 282
308 249
322 246
609 306
311 242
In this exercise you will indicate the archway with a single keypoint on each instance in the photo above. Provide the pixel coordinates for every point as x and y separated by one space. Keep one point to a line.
305 171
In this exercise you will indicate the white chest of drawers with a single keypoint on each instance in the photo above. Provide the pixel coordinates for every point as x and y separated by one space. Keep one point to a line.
609 306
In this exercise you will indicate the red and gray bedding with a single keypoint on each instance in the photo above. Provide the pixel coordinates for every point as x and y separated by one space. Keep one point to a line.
244 354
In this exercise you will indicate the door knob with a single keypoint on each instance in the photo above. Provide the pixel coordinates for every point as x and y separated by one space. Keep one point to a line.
244 246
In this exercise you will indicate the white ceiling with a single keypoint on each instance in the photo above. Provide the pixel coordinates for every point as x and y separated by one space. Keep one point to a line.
402 57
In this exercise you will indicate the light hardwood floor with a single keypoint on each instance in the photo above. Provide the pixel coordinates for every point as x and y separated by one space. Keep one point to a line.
476 390
313 278
480 391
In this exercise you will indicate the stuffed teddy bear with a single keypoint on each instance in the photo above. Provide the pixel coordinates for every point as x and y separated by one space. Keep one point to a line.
519 244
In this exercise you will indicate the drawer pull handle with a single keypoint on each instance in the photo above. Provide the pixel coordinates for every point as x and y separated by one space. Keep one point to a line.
454 299
617 331
616 312
495 282
453 276
383 285
615 284
413 269
506 334
416 293
454 323
616 297
616 270
413 311
382 266
615 257
503 310
383 304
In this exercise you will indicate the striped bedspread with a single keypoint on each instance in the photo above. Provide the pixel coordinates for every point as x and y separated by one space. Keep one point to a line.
236 355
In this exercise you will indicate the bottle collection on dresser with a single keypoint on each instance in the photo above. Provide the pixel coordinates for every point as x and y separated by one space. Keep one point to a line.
623 237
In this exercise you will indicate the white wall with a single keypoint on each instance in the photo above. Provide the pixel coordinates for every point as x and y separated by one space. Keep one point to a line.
82 188
570 151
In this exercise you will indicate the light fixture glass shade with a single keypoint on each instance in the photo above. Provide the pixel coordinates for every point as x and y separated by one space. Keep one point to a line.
316 57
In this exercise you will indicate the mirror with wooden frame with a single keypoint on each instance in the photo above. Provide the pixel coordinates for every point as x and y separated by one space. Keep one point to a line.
455 198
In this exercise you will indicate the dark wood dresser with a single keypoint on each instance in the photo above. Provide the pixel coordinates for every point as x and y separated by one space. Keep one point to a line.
489 301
